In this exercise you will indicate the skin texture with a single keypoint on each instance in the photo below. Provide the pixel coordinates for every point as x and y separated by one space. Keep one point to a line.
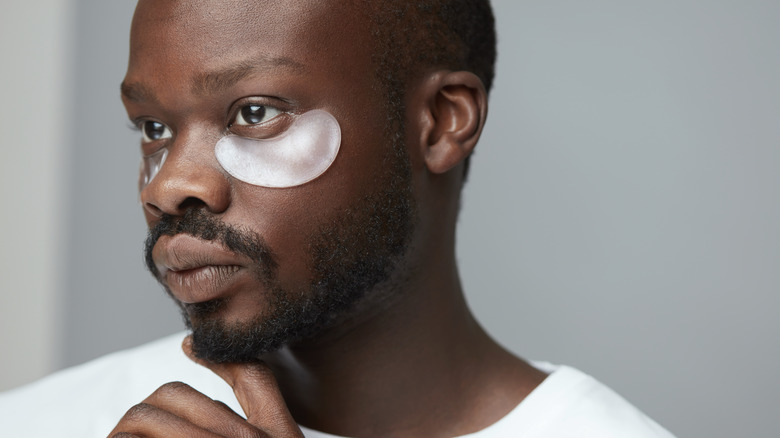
406 359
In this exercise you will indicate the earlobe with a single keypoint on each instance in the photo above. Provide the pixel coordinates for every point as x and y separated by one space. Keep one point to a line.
457 109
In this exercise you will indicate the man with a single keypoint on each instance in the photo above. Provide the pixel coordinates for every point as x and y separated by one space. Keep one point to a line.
303 162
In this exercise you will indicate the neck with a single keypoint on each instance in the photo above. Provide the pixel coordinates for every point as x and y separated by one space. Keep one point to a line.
422 366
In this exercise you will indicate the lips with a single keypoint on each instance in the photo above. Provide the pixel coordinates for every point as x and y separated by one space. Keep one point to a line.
196 270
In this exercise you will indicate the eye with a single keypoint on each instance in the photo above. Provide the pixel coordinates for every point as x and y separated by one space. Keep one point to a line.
255 115
153 131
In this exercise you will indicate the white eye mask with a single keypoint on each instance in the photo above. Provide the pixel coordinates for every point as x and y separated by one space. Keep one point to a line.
298 155
150 165
304 151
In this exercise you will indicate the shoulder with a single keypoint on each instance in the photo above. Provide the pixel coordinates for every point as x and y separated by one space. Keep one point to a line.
570 403
89 399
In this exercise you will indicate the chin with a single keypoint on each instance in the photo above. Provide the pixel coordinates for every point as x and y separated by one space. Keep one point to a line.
220 336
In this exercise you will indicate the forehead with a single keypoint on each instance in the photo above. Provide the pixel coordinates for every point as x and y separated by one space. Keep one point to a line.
207 35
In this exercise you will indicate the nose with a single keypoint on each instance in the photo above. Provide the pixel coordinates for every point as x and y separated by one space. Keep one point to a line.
190 177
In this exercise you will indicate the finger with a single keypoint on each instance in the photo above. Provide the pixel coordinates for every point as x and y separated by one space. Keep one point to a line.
187 403
256 391
150 421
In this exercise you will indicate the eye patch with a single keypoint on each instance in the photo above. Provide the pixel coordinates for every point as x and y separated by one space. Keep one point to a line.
296 156
150 165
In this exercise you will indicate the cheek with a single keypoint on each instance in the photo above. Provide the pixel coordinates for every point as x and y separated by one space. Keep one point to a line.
290 218
286 220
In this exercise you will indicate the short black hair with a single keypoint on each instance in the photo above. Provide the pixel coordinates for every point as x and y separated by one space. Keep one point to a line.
412 36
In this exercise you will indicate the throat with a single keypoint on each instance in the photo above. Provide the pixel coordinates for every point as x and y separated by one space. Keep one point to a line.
448 378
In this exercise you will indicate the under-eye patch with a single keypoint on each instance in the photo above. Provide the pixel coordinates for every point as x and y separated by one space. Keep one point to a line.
150 165
304 151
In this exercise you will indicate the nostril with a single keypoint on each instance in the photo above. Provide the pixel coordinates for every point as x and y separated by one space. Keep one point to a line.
191 202
153 209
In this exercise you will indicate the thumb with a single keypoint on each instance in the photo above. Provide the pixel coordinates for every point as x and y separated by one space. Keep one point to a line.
257 392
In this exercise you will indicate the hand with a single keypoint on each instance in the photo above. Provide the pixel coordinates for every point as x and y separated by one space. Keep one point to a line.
177 410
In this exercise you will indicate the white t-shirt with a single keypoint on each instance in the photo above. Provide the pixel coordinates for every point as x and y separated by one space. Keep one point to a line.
88 400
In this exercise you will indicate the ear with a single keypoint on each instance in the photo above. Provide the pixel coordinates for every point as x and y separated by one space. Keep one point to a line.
453 117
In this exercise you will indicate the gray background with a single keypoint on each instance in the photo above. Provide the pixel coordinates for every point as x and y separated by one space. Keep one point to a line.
621 215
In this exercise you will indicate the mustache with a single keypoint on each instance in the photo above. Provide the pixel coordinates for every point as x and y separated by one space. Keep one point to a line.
197 223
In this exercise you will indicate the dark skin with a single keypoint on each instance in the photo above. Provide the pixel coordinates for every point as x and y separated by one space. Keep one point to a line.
415 363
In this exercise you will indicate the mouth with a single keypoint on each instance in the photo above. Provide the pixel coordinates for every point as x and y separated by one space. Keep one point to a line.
195 270
201 283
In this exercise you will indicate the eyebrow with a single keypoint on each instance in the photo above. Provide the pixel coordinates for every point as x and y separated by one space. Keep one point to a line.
136 92
216 81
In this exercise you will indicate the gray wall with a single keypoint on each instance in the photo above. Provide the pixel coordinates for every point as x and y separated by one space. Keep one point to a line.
624 212
621 215
34 84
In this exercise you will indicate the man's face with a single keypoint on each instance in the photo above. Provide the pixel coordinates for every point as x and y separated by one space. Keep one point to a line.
252 267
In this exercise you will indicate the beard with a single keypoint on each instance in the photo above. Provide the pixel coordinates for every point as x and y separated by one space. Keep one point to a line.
352 256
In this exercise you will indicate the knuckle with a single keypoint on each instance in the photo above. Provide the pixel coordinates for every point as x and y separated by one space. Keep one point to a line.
172 389
139 413
124 435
